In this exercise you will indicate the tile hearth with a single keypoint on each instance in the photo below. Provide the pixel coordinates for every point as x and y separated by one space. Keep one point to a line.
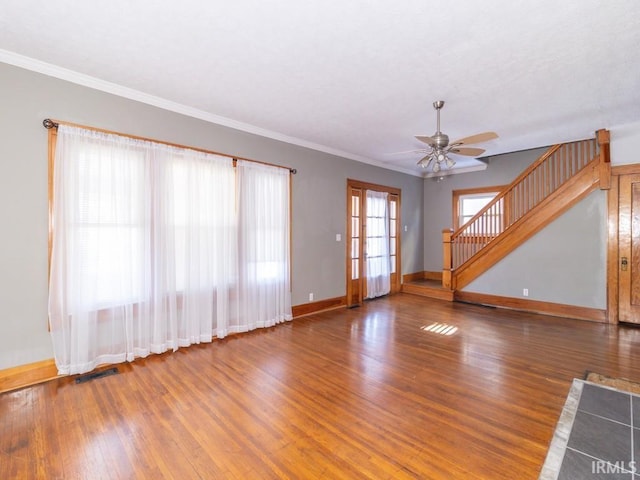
597 436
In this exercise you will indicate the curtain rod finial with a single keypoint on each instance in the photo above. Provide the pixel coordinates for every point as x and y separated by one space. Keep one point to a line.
48 123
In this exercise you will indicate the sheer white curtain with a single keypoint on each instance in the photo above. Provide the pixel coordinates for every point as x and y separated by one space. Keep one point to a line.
378 262
144 255
263 215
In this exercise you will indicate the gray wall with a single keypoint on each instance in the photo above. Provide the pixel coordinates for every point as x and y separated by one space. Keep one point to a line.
319 196
564 263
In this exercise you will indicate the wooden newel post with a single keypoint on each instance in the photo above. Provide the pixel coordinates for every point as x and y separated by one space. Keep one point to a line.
447 264
603 138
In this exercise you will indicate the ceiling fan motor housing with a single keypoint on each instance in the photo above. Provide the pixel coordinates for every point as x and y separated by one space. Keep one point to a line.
440 140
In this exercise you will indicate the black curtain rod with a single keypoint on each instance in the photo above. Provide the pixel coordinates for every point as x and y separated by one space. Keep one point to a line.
48 124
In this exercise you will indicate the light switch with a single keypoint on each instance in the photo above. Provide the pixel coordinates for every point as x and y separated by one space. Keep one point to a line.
405 228
338 237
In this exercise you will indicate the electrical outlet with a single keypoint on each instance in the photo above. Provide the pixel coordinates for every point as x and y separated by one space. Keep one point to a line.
311 297
525 292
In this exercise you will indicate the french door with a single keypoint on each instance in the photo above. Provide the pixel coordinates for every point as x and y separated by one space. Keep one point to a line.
373 241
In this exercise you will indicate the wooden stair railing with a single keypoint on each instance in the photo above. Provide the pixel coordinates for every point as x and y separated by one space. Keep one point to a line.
545 179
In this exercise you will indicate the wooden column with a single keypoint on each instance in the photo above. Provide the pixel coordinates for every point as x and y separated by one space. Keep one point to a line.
447 265
603 139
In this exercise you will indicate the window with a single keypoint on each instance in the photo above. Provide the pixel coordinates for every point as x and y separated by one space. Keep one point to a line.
105 225
197 215
356 194
467 203
263 231
155 247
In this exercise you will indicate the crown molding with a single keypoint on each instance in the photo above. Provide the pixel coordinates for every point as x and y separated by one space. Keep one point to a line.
72 76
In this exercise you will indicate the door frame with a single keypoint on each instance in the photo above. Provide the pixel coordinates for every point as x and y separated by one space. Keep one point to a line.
396 277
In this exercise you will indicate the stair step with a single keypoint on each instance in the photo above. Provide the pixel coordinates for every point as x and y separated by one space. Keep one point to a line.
428 288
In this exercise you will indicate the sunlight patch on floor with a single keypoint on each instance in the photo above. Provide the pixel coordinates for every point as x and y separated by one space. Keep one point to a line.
440 328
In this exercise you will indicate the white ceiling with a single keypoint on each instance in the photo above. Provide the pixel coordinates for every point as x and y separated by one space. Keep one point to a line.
352 77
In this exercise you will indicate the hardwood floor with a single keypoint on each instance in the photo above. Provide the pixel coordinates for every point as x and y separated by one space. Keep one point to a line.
360 393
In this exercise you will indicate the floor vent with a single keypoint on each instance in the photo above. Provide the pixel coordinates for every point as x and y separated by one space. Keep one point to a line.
94 375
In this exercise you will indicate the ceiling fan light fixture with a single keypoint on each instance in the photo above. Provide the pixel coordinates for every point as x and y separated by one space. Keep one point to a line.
450 162
436 167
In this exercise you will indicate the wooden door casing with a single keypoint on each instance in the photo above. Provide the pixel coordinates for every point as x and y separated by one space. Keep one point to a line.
356 235
355 292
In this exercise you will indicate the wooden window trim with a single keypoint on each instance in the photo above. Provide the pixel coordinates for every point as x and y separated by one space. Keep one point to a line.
457 194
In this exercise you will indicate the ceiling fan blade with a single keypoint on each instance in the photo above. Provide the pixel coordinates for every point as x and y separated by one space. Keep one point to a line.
478 138
468 151
426 139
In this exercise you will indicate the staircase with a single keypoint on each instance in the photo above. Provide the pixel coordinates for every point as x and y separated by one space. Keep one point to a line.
560 178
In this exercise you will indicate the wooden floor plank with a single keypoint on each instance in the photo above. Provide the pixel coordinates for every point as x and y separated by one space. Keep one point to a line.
353 393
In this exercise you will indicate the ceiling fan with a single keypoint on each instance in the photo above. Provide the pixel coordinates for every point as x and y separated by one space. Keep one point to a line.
439 147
